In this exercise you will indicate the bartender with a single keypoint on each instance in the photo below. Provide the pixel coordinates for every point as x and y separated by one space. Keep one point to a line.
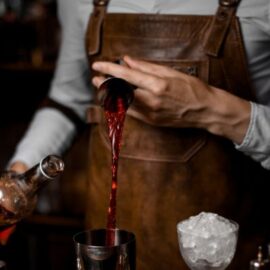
196 136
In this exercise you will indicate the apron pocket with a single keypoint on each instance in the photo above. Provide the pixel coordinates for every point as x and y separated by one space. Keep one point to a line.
145 142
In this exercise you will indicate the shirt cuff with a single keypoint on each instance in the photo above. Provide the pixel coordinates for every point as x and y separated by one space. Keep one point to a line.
256 143
247 139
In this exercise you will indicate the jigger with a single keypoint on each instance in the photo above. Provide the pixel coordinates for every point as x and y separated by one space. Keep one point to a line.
113 89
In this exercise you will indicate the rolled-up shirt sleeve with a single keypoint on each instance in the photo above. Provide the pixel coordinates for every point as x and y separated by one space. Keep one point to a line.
256 143
51 131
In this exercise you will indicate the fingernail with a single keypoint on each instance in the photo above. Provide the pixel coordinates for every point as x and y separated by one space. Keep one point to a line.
96 65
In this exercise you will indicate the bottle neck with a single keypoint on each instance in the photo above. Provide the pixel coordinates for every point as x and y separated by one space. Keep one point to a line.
42 173
33 179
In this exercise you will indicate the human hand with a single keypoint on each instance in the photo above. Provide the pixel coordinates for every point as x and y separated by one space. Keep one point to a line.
166 97
18 167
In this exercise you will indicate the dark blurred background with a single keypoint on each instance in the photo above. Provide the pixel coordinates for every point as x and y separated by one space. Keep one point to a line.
29 42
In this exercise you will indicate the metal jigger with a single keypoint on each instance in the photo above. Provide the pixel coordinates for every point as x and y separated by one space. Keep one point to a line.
111 90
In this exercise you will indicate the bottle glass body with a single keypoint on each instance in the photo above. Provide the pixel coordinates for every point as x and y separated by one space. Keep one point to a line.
18 192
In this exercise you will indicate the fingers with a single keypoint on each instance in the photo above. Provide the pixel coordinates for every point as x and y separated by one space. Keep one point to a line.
151 68
144 99
98 80
18 167
136 77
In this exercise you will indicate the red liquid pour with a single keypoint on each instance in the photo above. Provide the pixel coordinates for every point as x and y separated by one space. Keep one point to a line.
7 220
117 96
115 121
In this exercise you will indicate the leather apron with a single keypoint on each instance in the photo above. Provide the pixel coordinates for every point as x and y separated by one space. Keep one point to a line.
168 174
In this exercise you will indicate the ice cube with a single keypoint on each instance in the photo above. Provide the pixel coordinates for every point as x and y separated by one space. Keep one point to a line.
207 238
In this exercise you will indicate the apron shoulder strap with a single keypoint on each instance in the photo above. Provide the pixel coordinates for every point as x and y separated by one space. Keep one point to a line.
94 27
220 26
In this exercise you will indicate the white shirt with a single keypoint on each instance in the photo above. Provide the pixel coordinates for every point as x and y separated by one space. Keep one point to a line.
51 132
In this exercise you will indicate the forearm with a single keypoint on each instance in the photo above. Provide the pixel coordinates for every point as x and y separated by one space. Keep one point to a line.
50 132
244 123
227 115
166 97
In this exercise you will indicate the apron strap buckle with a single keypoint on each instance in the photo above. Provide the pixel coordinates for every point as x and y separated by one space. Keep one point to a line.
229 3
100 3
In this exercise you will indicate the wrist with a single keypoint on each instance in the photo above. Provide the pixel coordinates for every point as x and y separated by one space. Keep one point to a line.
228 116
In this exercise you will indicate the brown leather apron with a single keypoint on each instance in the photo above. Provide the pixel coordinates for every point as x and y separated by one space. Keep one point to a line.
168 174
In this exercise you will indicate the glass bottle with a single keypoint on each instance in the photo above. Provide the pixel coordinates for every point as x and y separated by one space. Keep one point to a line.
18 192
